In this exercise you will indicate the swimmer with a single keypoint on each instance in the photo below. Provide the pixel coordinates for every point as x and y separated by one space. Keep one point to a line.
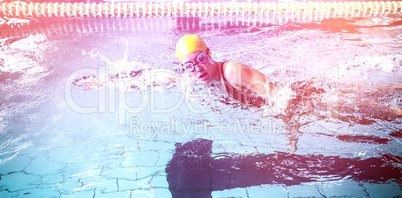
240 81
243 83
237 80
251 87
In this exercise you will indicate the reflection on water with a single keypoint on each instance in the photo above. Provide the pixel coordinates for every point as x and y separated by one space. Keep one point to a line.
352 104
194 171
352 111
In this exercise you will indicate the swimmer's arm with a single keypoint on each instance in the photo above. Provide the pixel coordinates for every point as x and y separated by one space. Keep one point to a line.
161 77
155 77
90 82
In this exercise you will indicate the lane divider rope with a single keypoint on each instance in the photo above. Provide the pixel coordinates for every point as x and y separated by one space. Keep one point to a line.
312 10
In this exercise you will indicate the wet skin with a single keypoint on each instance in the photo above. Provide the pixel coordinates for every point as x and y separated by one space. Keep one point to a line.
240 76
205 72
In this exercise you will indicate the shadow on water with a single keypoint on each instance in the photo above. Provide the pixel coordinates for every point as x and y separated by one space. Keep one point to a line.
195 171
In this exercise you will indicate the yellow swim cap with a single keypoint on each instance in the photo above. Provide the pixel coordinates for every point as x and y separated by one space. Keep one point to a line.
189 43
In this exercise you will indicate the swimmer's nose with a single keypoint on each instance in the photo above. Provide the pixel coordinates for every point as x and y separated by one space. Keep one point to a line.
199 68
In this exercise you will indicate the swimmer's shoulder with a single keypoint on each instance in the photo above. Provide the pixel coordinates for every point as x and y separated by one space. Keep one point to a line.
238 73
233 66
233 70
230 71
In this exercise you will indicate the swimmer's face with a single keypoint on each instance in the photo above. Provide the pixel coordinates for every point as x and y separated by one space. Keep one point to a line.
200 65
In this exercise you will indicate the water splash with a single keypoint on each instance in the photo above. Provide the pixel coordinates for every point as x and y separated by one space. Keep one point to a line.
121 66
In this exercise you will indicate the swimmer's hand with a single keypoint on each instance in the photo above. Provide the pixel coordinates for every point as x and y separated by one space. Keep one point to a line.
90 82
142 80
159 77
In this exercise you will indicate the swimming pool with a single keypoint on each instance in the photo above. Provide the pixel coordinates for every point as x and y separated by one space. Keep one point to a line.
59 139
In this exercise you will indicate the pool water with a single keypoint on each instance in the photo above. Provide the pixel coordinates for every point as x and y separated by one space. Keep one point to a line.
62 139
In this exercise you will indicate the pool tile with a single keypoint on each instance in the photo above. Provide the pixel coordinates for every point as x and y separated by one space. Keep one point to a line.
235 192
14 165
159 181
218 150
130 185
111 162
383 190
154 193
79 194
107 185
68 186
43 166
164 159
161 193
48 181
138 193
343 187
143 172
9 194
100 194
155 145
82 167
38 192
147 158
306 190
167 137
265 191
18 181
166 146
121 173
64 154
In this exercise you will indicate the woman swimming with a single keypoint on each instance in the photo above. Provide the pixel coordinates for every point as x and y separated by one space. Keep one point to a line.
240 81
251 87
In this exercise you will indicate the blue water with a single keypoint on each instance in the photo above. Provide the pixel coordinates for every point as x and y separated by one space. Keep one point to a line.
59 139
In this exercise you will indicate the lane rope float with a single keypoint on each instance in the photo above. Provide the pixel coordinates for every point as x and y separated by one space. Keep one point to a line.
19 9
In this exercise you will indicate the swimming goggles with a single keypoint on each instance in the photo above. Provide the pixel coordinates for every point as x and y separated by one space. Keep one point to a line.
201 58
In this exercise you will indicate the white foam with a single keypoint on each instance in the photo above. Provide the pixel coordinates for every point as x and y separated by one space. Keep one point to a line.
280 101
358 68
